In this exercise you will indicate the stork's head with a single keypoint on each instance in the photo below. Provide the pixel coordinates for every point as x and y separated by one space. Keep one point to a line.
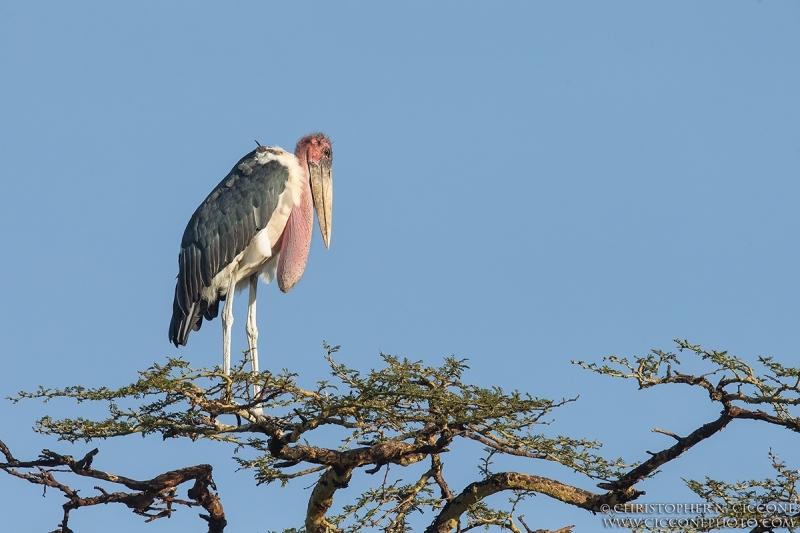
316 154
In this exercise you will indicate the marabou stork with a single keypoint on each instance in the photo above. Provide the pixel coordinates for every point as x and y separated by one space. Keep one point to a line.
257 221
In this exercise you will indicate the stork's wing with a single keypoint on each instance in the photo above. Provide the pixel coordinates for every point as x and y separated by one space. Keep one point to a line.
221 228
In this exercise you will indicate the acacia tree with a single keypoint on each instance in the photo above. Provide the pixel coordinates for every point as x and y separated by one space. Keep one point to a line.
408 414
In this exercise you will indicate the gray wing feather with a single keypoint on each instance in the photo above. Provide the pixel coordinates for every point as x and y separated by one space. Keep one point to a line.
220 229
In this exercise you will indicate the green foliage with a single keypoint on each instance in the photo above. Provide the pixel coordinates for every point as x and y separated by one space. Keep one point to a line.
737 381
424 408
759 505
774 501
406 413
402 399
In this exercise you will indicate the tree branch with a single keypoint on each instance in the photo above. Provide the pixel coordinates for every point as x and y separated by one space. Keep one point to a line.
449 516
651 465
153 498
321 499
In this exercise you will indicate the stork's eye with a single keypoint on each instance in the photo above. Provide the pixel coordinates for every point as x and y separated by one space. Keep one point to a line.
326 152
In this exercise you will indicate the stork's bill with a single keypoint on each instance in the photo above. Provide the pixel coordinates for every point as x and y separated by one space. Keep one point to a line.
321 175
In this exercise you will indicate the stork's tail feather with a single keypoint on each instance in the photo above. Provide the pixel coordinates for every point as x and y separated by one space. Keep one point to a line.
184 323
209 311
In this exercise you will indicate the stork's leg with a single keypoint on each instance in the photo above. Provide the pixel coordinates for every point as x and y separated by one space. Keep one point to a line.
227 324
252 329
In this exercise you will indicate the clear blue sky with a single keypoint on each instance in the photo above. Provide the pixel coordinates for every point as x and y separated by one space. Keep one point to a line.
518 184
